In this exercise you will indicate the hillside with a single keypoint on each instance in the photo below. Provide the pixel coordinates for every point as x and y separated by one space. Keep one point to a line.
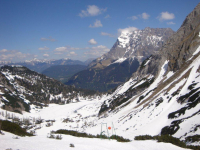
22 89
63 72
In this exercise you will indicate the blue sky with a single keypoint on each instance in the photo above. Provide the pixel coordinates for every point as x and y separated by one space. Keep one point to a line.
79 29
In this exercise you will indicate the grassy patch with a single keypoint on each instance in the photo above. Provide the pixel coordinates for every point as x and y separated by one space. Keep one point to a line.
13 128
167 139
194 138
79 134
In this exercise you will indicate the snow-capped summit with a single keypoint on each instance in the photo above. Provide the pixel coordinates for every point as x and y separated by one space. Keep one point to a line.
139 43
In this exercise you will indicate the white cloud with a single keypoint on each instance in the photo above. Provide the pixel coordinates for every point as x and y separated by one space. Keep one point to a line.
92 10
107 34
61 49
97 24
48 39
43 48
166 16
14 55
72 53
171 23
107 17
133 17
3 50
97 51
129 29
92 42
46 55
145 16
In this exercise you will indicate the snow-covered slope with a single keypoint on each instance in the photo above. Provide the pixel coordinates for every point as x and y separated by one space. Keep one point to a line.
83 116
163 96
170 105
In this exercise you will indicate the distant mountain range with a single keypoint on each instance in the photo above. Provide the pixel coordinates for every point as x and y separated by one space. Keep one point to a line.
40 65
124 58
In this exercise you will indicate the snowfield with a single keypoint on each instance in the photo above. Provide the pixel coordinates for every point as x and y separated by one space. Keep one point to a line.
43 143
58 113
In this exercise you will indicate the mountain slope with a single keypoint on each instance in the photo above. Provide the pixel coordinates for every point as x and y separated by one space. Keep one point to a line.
63 72
104 79
21 88
164 93
128 52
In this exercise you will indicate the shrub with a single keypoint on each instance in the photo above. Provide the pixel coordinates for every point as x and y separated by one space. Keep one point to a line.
168 139
119 138
71 145
13 128
78 134
144 137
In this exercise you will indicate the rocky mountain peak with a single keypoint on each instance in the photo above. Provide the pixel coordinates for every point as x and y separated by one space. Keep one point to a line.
139 43
178 49
184 42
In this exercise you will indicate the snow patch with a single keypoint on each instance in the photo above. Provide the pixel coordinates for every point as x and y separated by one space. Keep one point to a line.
126 86
5 99
147 62
120 60
160 76
197 51
169 74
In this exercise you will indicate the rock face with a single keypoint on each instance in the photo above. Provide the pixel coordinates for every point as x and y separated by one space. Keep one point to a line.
130 49
165 90
178 48
63 72
138 44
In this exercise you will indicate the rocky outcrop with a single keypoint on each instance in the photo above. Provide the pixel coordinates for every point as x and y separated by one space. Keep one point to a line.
178 48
